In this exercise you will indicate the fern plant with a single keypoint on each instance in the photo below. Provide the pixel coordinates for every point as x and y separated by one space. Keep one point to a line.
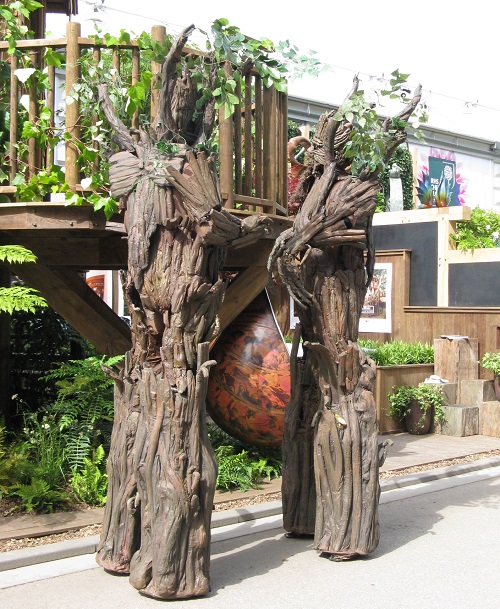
90 484
84 406
18 297
39 497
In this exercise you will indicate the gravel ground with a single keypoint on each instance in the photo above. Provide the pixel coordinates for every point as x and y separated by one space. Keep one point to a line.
16 544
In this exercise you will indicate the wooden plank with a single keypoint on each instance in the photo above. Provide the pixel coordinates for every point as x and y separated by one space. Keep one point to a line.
83 253
241 292
72 110
158 33
258 253
269 143
33 157
258 137
248 137
40 215
238 177
455 213
480 255
226 155
282 200
51 105
13 128
70 296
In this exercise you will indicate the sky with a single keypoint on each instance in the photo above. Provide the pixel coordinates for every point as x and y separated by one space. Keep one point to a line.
450 48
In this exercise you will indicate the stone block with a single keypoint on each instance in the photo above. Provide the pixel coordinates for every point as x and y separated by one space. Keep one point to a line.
460 421
475 392
490 419
450 391
456 358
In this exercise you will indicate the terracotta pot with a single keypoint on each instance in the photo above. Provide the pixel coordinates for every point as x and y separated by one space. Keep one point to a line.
418 423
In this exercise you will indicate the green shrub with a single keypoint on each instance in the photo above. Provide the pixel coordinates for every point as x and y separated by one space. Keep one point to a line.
84 406
39 497
481 231
90 484
428 396
398 352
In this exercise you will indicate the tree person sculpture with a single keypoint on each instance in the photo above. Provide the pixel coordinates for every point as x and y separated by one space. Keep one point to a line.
161 467
162 470
330 450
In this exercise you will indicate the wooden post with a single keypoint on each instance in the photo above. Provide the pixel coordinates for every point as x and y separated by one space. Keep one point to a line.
14 100
72 110
248 184
136 72
158 33
456 359
51 105
226 138
32 115
258 137
269 135
5 397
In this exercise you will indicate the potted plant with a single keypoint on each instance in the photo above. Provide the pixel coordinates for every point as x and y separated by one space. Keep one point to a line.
418 405
491 361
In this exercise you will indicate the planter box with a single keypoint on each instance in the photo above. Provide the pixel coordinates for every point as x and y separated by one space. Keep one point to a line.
389 376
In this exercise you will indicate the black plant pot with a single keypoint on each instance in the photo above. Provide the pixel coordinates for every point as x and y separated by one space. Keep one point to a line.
418 422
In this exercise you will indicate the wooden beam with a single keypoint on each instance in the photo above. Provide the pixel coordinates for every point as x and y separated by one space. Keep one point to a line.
40 215
456 213
79 252
70 296
241 292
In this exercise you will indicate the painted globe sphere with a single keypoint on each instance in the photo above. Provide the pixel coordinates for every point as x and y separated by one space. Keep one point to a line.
249 388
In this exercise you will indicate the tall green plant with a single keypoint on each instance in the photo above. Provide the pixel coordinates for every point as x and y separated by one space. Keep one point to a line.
481 231
84 406
18 297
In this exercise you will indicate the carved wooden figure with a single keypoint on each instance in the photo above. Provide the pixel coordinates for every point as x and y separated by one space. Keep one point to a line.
330 450
161 468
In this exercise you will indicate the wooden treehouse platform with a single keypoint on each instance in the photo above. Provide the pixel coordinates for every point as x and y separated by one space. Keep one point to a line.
70 240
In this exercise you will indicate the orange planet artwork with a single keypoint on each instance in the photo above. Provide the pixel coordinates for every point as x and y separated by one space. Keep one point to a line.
249 388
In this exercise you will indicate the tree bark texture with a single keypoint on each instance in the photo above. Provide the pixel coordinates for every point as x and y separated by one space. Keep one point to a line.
326 260
161 467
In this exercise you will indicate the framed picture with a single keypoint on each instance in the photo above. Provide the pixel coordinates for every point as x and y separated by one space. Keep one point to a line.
376 312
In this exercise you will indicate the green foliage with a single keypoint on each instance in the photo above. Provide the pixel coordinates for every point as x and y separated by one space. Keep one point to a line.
402 157
39 341
18 298
428 396
84 406
491 361
481 231
37 496
242 466
90 484
14 30
367 146
293 129
398 352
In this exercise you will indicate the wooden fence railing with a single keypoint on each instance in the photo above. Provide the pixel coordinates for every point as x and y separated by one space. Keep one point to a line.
253 158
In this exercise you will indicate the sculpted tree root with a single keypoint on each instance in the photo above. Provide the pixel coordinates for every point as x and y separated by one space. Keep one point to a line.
326 260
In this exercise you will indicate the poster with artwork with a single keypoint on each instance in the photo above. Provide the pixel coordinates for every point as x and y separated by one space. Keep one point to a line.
376 312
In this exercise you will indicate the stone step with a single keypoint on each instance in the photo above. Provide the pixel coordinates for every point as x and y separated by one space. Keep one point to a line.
490 418
475 392
460 421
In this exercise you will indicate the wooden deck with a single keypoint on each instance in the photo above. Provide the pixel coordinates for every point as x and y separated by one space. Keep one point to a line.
69 241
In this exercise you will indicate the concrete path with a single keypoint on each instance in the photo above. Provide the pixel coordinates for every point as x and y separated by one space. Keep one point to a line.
439 549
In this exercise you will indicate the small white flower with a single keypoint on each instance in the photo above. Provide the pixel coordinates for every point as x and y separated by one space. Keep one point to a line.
495 235
488 227
46 426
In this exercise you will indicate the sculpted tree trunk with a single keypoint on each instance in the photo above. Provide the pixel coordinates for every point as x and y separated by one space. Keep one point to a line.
330 422
161 467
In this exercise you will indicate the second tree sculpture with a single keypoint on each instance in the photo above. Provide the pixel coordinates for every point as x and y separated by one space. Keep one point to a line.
330 449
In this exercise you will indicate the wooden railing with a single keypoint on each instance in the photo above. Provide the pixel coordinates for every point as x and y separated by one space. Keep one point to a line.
253 159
